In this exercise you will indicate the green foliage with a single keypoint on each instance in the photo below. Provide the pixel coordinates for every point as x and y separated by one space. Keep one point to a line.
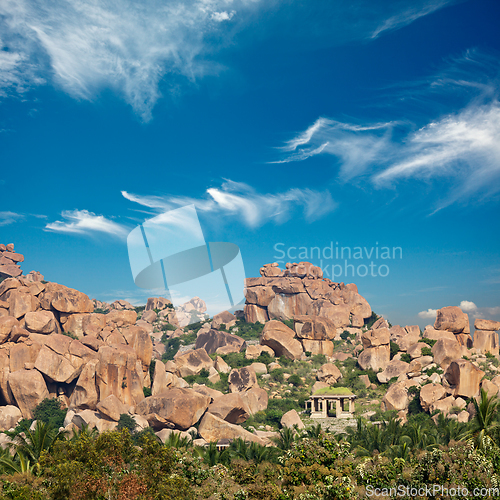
369 321
222 385
429 342
394 348
345 335
406 357
50 412
434 369
318 360
168 327
147 392
127 422
289 322
152 366
138 309
294 380
284 361
70 335
99 310
171 348
248 331
190 338
278 375
426 351
236 359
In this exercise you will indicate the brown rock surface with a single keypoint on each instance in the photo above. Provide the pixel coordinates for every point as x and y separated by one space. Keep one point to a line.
255 313
193 362
280 339
256 399
213 428
111 407
242 379
213 340
328 373
40 322
85 395
431 393
181 407
291 418
29 389
230 407
464 378
68 300
374 358
395 368
9 417
374 338
486 341
453 319
324 347
396 398
486 324
445 351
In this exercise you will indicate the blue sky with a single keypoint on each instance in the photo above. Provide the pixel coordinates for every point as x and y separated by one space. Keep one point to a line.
287 123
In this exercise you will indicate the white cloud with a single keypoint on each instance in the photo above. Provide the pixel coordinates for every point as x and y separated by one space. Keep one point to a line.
409 15
85 222
241 201
430 313
7 218
129 46
467 306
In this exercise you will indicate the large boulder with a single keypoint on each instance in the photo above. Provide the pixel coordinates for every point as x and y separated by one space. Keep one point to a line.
213 428
486 324
324 347
242 379
230 407
192 362
452 319
396 398
55 366
9 417
314 328
29 389
85 395
67 300
431 393
21 302
256 399
443 405
138 338
254 351
445 351
375 358
280 338
291 419
40 322
486 341
111 407
214 340
328 373
286 306
394 369
375 338
7 323
118 373
431 333
464 378
259 295
180 407
255 313
223 318
405 337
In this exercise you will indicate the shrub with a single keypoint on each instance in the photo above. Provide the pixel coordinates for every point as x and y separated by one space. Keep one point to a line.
344 335
277 375
127 422
369 321
49 411
318 360
434 369
70 335
147 392
236 359
168 327
394 348
289 323
295 380
426 351
248 331
172 346
284 361
265 358
406 357
429 342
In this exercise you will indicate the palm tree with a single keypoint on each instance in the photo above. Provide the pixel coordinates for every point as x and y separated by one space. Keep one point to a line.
30 444
286 437
485 427
213 456
313 432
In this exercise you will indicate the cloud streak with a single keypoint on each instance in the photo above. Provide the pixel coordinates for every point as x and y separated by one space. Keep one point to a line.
7 218
254 209
462 146
87 223
85 46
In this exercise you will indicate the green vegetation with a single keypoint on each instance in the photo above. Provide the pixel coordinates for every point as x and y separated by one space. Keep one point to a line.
247 331
334 391
429 342
49 411
426 351
369 321
406 357
99 310
394 348
70 335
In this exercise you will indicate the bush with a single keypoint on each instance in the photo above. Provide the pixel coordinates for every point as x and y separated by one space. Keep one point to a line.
147 392
284 361
344 335
127 422
394 349
248 331
50 412
369 321
426 351
277 375
236 359
168 327
294 380
318 360
429 342
406 357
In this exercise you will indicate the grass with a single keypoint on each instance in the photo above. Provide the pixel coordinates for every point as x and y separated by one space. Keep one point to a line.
334 391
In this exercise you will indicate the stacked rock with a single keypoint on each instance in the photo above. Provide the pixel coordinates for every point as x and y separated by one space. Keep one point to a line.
486 336
453 319
9 260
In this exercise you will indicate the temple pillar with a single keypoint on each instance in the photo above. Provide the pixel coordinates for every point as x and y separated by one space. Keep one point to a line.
324 408
351 406
338 408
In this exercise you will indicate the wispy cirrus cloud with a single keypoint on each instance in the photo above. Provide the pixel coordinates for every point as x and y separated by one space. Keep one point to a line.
410 14
84 222
85 46
243 202
461 145
7 218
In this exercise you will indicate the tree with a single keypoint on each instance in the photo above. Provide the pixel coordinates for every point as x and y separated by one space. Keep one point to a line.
485 427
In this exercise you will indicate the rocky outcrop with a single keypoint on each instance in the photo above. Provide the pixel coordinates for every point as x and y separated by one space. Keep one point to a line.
486 336
291 419
9 260
396 398
375 358
242 379
301 290
431 393
192 362
230 407
328 373
394 369
445 351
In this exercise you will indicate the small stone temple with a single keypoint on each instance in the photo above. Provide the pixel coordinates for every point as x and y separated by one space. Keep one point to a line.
322 401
